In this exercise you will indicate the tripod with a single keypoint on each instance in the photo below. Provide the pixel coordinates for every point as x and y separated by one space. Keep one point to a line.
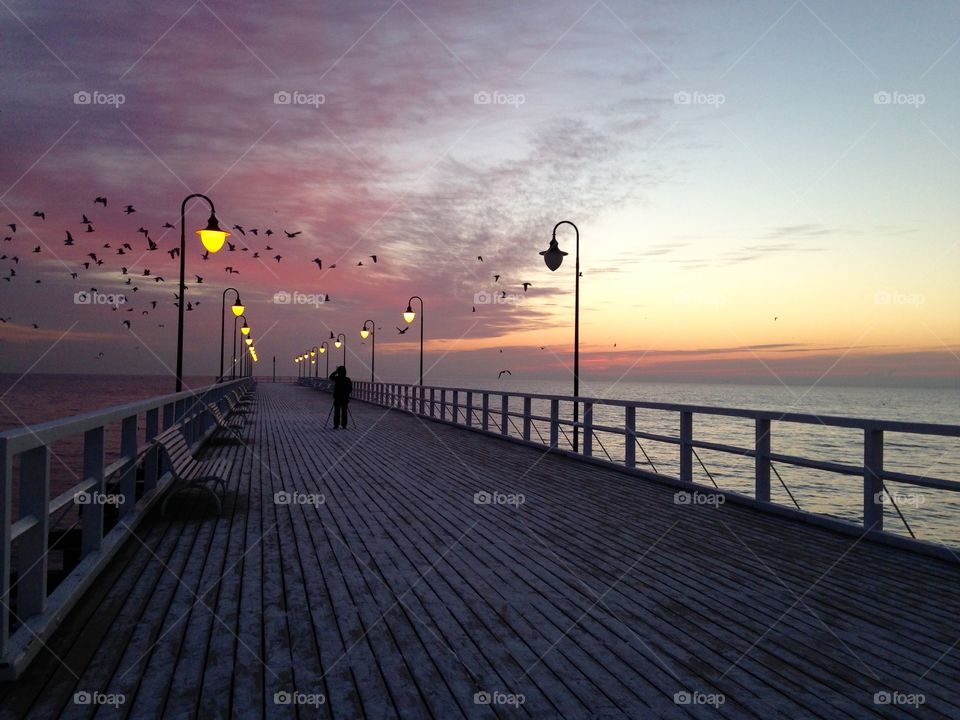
349 414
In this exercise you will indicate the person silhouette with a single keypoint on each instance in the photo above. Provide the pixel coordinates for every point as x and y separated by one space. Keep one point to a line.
342 387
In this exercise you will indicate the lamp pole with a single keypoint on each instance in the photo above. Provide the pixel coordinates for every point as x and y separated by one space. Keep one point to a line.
314 351
553 257
372 332
409 315
341 343
223 309
212 237
324 347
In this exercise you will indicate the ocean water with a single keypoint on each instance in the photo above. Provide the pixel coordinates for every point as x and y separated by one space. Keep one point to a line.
932 514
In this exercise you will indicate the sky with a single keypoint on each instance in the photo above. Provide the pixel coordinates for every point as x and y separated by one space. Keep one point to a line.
764 191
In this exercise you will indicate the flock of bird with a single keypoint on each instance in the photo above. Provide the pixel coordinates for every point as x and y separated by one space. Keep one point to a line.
127 258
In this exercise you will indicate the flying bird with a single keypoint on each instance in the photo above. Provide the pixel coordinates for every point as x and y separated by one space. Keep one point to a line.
254 231
169 226
526 285
173 252
480 258
126 324
402 330
502 372
239 229
151 245
231 247
199 279
100 199
40 214
69 240
128 209
496 278
319 263
293 234
269 232
36 249
144 231
374 258
205 256
85 221
278 258
13 227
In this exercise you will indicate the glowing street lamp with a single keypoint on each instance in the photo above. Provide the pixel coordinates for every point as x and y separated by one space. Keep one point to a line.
223 307
553 257
364 333
323 351
409 316
340 341
212 237
313 361
235 320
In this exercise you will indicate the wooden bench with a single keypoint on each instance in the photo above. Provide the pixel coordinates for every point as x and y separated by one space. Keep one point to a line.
226 422
187 471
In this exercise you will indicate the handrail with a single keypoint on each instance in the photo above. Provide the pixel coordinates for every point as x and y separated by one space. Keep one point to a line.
499 408
135 482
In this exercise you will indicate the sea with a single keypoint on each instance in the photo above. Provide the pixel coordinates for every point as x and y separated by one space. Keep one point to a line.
931 514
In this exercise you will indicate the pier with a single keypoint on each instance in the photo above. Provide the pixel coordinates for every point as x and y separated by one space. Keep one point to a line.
446 557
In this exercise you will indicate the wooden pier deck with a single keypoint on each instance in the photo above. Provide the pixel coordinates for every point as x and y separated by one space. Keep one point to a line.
399 596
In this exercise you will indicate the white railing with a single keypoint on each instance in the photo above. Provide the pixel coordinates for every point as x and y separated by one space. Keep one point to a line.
28 612
512 415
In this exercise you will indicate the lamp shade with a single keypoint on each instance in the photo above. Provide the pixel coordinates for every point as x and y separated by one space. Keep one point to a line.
245 330
212 236
364 333
337 344
409 315
553 255
322 350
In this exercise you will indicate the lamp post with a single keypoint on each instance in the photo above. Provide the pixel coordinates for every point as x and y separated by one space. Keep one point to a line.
245 330
237 308
323 351
212 238
364 333
553 257
409 315
313 359
337 343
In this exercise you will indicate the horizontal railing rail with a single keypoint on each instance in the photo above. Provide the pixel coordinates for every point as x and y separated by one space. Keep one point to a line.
499 412
28 611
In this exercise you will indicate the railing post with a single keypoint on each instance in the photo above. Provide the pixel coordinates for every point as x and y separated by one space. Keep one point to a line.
128 449
527 405
686 446
761 490
872 482
150 459
433 404
504 414
456 406
6 498
443 403
32 545
469 409
421 393
630 436
167 415
587 447
554 423
485 412
91 531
